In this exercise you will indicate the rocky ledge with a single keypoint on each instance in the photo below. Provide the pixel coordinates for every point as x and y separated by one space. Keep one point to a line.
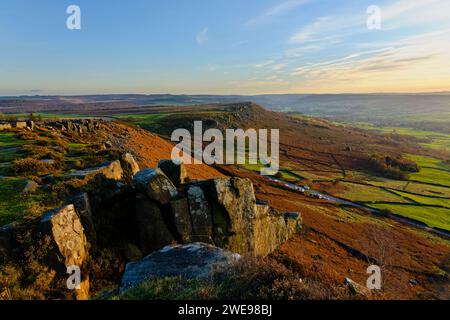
205 223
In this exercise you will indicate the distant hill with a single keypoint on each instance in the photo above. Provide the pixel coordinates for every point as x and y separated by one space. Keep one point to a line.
375 108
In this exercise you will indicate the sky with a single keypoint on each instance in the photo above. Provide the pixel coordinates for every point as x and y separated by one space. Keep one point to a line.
224 47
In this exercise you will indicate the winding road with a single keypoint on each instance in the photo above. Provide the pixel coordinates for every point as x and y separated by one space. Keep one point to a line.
326 197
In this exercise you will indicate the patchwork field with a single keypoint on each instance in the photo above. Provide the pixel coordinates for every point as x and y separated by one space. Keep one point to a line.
314 152
429 139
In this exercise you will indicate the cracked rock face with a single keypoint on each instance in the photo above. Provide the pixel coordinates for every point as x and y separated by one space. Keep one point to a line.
182 219
192 261
200 211
153 232
65 229
83 207
129 164
235 212
155 184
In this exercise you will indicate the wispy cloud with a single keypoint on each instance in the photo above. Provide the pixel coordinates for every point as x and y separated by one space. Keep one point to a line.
202 36
212 67
277 10
401 13
330 29
338 53
406 63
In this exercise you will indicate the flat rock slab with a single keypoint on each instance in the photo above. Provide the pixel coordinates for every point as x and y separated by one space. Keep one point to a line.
192 261
111 171
156 185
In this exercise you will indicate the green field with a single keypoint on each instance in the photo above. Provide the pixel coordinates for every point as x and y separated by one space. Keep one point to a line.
432 171
363 193
423 193
142 120
425 199
26 116
432 140
431 216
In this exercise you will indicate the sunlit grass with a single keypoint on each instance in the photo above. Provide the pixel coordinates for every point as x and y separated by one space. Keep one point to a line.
432 217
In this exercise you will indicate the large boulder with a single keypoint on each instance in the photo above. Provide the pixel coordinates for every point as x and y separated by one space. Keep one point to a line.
20 124
129 165
192 261
83 207
182 219
201 215
177 173
233 213
64 227
226 211
153 231
155 184
112 170
271 229
66 232
30 187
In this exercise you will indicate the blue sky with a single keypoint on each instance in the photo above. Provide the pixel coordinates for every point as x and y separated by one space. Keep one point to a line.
223 46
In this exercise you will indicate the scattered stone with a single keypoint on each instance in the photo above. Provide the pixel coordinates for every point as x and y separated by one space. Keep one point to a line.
30 187
20 125
108 145
155 184
192 261
129 164
202 226
112 170
153 232
182 219
5 126
356 288
177 173
50 162
413 282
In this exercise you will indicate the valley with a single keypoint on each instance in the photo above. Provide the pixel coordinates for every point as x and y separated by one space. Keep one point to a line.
339 238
